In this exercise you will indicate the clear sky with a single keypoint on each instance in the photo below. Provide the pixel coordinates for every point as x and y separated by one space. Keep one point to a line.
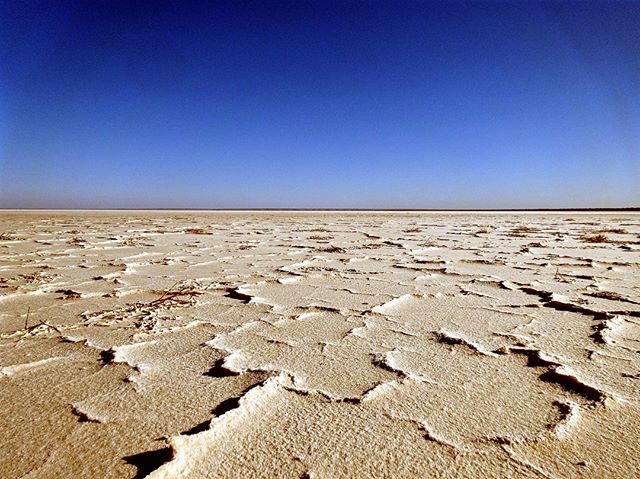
381 104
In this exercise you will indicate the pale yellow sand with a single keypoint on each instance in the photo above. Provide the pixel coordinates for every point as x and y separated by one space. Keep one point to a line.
322 345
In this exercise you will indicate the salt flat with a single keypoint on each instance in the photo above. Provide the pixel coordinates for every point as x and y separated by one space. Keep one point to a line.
319 344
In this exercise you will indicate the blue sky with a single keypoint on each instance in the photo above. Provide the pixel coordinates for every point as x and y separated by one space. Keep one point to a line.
319 104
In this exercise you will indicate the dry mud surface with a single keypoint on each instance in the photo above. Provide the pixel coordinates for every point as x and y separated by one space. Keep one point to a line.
323 345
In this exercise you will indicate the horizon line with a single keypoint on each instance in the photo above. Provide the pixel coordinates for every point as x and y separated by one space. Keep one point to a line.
599 209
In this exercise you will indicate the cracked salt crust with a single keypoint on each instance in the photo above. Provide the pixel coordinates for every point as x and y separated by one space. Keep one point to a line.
319 345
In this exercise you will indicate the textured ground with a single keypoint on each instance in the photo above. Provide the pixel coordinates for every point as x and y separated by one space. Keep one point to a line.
320 345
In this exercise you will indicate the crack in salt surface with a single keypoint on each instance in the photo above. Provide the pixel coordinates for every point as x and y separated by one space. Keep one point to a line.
182 446
451 338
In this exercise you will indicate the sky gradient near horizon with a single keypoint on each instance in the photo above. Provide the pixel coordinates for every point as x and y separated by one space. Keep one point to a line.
319 104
